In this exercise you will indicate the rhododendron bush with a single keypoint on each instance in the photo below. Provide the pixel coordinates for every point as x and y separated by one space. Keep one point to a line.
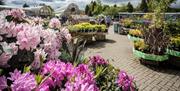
30 59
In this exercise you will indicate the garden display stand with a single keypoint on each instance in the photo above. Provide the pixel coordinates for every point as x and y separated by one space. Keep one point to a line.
88 36
150 58
132 38
174 58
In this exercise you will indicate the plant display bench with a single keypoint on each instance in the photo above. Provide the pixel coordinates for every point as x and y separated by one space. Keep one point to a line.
174 58
124 30
133 38
90 36
150 58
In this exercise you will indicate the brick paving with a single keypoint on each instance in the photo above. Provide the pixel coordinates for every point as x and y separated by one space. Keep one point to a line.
118 49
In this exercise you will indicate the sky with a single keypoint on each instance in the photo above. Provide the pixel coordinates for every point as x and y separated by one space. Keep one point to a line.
81 3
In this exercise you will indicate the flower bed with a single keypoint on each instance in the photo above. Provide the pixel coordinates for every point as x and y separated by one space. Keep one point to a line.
135 35
38 57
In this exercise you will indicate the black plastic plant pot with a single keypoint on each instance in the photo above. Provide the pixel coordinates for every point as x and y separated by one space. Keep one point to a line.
174 61
106 30
174 57
99 30
90 30
150 58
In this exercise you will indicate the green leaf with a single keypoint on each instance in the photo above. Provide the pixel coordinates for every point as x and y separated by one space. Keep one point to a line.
38 78
26 69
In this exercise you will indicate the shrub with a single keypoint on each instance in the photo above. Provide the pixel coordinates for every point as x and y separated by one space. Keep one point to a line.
175 43
141 46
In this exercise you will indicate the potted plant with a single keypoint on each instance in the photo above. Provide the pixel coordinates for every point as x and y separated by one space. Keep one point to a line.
143 51
126 25
174 51
135 35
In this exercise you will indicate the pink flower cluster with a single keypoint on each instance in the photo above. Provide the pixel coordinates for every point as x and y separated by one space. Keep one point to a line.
97 60
17 13
125 81
22 82
32 36
9 50
65 34
54 23
52 43
29 38
78 78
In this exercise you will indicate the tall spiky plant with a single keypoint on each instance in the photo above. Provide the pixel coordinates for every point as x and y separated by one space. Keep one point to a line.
156 34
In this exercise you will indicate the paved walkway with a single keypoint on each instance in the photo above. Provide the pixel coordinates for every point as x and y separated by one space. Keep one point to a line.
118 49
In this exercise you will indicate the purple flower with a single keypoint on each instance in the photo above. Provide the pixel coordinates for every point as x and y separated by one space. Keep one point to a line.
98 60
23 82
3 82
125 81
45 86
58 70
15 75
81 80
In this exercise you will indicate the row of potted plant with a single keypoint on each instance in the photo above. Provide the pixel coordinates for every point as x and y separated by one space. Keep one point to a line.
87 27
135 35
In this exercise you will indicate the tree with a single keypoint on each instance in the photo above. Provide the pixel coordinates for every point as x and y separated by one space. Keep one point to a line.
25 5
115 5
112 11
87 9
130 7
144 6
2 2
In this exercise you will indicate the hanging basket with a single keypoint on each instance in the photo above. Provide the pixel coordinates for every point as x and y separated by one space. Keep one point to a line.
150 57
132 38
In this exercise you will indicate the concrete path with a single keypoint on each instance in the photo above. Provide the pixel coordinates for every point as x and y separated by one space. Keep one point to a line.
118 49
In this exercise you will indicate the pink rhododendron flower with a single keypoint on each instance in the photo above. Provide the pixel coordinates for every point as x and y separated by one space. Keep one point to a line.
14 48
52 44
54 23
9 29
3 83
17 13
45 86
58 69
125 81
65 34
24 82
14 75
82 78
4 58
38 20
29 38
38 55
97 60
78 78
